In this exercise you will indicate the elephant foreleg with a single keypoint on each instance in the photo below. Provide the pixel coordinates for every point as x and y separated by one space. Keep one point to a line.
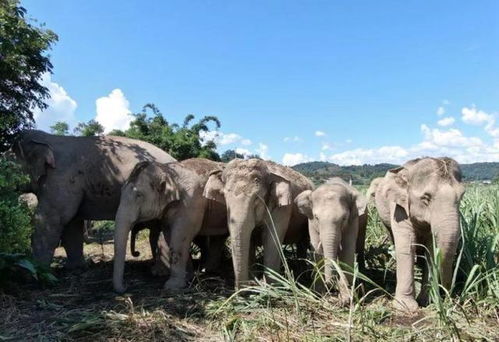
273 237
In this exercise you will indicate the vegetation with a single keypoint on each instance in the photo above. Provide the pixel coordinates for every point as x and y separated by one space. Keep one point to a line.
23 62
60 128
84 307
363 174
89 129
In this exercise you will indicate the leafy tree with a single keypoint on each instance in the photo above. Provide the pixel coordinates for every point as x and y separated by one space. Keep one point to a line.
23 62
89 129
228 155
182 142
60 128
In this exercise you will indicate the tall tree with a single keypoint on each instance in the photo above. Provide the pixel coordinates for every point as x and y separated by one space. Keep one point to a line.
23 62
89 129
60 128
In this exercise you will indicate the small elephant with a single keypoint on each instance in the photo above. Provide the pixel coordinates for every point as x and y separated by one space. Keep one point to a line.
173 194
259 194
76 179
418 202
333 211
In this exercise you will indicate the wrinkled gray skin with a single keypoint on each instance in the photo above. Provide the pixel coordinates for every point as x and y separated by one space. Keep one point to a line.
419 201
76 179
333 211
173 194
246 188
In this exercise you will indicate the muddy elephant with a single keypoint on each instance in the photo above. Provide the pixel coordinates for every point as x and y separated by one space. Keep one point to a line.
418 202
259 194
76 179
333 211
173 194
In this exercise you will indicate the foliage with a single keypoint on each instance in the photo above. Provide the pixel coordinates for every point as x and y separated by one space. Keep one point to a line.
11 264
182 142
89 129
228 155
15 220
23 62
60 128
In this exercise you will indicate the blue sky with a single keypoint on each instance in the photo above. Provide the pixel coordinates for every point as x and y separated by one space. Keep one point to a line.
344 81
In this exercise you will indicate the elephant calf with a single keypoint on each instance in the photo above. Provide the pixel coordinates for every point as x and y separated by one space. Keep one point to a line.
173 194
333 211
419 202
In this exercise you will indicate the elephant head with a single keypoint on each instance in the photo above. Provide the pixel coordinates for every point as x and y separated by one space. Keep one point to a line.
248 188
36 158
333 210
428 191
149 190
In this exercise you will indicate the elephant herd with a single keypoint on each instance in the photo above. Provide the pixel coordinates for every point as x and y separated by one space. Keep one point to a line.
254 202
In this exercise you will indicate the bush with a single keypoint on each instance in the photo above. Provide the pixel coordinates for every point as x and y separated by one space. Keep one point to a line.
15 216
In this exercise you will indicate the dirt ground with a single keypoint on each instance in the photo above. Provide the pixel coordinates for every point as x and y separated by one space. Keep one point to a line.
83 307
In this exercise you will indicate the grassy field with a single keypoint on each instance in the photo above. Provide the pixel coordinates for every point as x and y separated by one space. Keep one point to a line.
83 307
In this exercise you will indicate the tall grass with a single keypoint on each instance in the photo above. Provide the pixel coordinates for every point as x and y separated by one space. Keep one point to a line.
284 309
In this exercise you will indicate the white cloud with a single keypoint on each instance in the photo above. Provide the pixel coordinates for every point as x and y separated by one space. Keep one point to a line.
473 116
385 154
448 138
262 151
291 159
293 139
61 107
440 111
113 111
326 147
320 134
446 121
221 138
245 152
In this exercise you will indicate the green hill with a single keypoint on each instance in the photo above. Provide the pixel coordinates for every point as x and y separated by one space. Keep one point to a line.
362 174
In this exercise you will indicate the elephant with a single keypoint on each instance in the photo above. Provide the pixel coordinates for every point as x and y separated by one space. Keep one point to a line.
419 202
259 193
173 194
373 186
333 210
76 179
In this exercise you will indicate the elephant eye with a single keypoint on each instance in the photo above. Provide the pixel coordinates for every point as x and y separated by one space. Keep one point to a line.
426 198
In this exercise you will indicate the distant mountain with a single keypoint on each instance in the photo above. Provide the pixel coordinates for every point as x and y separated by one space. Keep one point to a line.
362 174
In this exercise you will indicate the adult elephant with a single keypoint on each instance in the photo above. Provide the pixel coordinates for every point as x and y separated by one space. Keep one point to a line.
173 194
418 202
334 210
76 179
259 193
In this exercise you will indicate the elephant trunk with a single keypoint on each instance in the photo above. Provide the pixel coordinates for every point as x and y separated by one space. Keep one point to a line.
446 229
123 226
240 234
330 238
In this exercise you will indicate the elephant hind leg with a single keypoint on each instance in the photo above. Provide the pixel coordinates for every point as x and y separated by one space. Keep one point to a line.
72 241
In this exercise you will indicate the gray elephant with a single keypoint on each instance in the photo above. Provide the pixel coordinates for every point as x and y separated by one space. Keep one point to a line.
76 179
334 210
418 202
259 194
173 194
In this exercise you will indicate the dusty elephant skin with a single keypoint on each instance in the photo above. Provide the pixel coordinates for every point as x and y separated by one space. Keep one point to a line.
419 201
76 179
173 194
248 188
334 210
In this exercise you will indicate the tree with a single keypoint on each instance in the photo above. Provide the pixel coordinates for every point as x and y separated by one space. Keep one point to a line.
23 62
228 155
182 142
60 128
89 129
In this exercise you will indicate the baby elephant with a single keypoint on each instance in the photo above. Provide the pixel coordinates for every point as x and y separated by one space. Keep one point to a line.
333 211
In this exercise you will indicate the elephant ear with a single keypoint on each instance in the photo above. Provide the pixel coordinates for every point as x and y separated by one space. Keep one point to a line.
170 189
213 189
304 203
39 156
397 188
280 190
361 203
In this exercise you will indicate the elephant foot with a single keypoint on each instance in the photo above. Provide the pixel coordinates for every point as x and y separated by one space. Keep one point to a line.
160 270
423 299
74 265
120 289
405 304
174 284
344 300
